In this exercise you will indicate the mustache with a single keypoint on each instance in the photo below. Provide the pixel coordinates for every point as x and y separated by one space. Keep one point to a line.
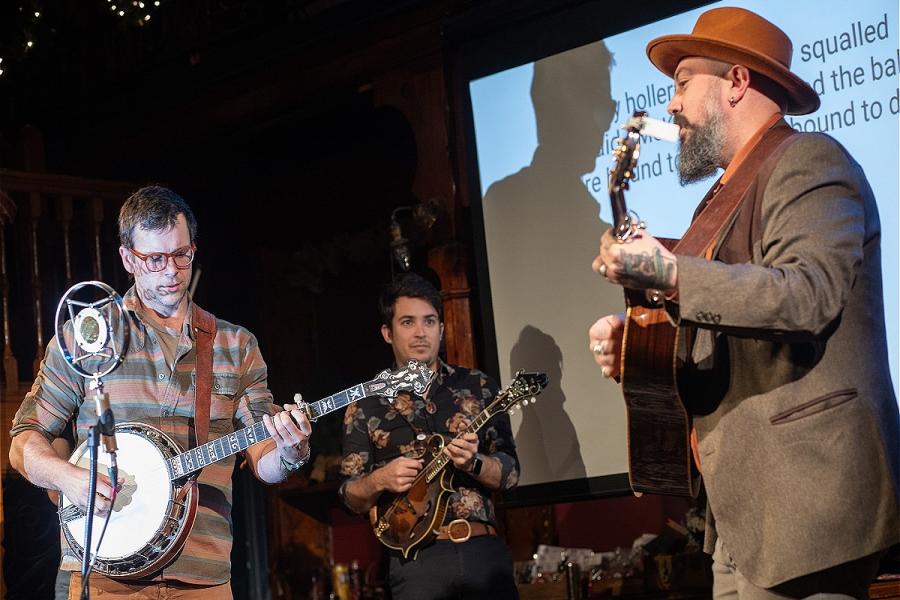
681 120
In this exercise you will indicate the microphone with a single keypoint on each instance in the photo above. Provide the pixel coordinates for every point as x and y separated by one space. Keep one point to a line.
92 334
107 423
400 246
424 214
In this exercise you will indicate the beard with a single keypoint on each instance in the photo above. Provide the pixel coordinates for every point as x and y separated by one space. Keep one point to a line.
701 151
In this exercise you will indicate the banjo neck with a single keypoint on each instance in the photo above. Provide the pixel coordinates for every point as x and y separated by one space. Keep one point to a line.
386 384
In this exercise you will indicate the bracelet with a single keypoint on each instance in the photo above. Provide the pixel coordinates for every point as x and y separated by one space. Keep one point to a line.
291 467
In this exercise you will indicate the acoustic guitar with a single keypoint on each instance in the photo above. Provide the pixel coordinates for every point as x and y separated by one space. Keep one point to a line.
659 450
406 521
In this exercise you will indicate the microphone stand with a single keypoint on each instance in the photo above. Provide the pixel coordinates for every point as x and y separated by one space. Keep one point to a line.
94 336
93 443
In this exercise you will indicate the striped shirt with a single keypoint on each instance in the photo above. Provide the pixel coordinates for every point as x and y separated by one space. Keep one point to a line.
145 389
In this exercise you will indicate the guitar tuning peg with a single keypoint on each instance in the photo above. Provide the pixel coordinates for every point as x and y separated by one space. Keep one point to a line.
533 399
298 398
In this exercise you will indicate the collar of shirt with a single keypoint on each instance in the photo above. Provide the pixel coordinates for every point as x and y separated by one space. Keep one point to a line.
747 148
133 304
442 372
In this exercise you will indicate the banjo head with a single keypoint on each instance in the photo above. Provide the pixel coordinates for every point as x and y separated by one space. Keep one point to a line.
144 504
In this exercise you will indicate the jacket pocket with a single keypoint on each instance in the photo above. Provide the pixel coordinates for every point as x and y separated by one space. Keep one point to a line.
814 406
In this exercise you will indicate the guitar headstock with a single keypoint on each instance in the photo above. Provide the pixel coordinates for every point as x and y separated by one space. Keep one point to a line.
625 156
626 153
415 376
524 388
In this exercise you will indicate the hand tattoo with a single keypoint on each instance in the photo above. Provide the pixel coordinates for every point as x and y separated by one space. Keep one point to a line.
646 271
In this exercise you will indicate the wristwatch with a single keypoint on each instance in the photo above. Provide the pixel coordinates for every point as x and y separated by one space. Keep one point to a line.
290 467
476 465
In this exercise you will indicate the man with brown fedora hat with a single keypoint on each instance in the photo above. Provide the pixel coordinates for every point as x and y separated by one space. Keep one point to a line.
786 376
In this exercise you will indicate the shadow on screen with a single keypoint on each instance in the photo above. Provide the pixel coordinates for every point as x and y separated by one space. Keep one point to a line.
542 230
546 440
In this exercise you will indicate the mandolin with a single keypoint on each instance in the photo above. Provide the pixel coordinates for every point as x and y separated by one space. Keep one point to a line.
406 521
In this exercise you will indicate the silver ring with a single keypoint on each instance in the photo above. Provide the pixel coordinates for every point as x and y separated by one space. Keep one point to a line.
599 348
602 270
605 372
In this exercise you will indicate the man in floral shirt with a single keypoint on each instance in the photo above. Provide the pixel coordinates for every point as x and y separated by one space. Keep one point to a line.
382 441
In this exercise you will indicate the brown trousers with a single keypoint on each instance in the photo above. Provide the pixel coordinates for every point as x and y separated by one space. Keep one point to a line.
105 587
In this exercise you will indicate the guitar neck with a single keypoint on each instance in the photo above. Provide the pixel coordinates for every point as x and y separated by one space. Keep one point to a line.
619 211
626 153
228 445
437 464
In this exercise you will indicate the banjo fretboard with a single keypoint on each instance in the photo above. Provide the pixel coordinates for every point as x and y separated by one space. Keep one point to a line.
238 441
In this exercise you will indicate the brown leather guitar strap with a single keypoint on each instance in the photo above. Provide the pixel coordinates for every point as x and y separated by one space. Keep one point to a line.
714 221
204 325
719 209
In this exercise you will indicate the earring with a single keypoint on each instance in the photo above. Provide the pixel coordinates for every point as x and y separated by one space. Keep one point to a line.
732 102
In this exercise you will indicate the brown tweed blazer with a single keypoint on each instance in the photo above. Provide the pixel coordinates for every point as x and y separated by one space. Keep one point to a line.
788 379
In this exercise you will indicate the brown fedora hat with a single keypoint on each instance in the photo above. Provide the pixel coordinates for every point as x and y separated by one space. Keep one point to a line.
738 36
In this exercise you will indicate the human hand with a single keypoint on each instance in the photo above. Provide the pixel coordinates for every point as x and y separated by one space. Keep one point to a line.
398 475
291 430
605 342
641 263
75 486
462 450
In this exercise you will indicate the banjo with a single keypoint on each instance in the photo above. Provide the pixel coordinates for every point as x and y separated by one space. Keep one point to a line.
157 504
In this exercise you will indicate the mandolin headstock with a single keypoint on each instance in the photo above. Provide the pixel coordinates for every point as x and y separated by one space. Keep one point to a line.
524 389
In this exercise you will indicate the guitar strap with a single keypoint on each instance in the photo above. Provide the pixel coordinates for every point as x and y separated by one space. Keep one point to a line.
716 216
204 325
721 208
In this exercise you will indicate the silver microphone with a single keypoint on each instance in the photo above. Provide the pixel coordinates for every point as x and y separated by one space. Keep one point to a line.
93 335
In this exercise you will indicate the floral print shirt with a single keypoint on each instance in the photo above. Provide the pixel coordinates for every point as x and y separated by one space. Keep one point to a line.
377 431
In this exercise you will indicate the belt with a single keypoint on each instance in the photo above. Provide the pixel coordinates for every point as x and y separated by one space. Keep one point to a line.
460 530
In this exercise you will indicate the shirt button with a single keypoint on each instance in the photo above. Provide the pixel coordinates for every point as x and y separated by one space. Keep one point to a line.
161 376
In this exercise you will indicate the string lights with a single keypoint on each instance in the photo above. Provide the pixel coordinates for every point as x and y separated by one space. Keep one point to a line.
24 23
135 10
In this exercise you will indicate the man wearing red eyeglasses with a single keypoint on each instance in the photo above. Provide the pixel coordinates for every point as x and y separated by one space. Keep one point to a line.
156 385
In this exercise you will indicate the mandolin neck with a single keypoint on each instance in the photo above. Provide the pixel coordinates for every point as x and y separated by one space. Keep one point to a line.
434 468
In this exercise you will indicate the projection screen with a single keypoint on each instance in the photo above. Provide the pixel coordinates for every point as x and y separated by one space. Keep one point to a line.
543 133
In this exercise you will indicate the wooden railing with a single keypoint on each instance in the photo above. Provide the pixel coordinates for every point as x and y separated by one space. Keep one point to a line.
54 230
64 230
